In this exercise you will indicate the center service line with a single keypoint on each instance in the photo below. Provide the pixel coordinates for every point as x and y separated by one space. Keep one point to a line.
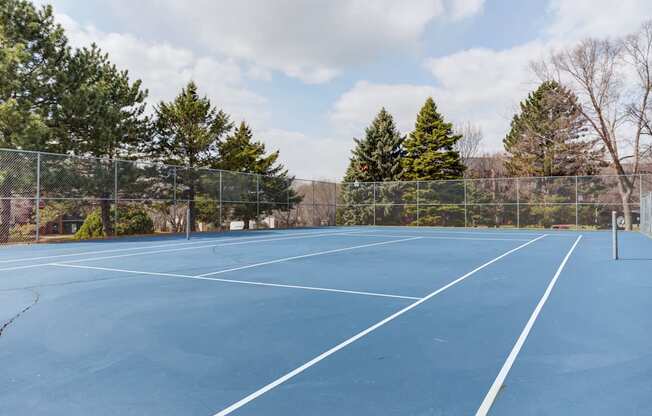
326 354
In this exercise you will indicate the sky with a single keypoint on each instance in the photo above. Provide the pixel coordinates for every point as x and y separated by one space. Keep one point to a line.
309 76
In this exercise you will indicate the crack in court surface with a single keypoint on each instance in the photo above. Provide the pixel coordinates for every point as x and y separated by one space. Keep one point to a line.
11 320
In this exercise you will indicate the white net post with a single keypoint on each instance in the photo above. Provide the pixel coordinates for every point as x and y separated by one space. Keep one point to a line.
614 235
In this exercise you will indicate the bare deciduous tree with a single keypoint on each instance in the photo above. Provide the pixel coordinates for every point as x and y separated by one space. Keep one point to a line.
617 109
469 145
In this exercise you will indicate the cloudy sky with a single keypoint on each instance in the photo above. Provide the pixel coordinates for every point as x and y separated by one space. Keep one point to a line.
310 75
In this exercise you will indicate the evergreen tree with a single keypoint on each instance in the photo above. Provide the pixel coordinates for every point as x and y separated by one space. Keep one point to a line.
33 53
32 47
375 158
430 148
431 155
547 137
269 192
188 132
99 113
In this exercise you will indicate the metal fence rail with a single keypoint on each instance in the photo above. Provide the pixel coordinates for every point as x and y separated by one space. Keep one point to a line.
46 196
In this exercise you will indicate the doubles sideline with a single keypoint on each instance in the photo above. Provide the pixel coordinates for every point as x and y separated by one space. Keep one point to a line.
362 334
489 399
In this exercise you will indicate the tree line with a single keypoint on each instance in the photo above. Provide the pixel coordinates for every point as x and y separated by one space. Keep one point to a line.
592 110
75 101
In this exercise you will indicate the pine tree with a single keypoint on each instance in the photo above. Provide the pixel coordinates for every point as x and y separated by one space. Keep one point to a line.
430 149
240 153
188 132
547 136
375 158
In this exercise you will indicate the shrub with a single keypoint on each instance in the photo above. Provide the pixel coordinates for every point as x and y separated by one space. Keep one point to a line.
130 221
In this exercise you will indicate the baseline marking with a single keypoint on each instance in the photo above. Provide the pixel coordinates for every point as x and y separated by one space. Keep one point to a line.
432 237
361 334
140 253
243 282
502 375
318 253
175 243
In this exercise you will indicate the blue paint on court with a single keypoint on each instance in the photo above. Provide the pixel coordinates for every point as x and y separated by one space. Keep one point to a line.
167 326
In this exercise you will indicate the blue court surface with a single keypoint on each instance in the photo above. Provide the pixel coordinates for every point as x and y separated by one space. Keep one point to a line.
335 321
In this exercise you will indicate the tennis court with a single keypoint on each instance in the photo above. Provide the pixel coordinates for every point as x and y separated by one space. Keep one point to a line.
329 321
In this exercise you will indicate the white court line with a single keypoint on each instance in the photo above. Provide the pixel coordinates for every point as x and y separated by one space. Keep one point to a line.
302 256
140 253
175 243
359 335
424 229
432 237
243 282
502 375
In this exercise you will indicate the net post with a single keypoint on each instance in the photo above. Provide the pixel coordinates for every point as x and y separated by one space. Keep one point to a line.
188 222
38 197
614 235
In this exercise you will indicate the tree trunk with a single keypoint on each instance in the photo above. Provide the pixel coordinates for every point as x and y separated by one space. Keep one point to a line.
626 188
105 212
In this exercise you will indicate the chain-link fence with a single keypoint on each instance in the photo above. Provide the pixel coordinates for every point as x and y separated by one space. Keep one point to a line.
46 196
569 202
646 214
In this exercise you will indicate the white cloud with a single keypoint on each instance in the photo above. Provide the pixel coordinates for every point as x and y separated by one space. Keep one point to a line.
165 69
356 108
460 9
572 20
308 157
484 86
313 41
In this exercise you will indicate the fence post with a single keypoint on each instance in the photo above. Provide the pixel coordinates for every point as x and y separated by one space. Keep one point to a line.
374 203
314 216
221 206
418 204
335 204
577 206
38 197
257 199
466 213
188 222
174 199
115 196
518 204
